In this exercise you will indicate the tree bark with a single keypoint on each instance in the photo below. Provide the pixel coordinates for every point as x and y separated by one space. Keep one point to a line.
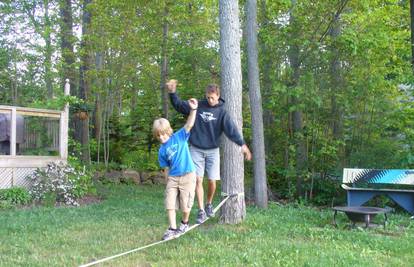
234 210
259 161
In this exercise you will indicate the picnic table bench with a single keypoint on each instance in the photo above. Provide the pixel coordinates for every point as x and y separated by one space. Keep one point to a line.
362 185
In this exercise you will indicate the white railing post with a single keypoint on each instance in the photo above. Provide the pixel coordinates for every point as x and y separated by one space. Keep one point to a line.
64 126
13 132
13 140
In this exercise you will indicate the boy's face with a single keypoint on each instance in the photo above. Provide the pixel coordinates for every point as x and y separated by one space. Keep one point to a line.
212 98
163 138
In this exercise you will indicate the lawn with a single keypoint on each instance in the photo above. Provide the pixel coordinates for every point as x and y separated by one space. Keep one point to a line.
130 217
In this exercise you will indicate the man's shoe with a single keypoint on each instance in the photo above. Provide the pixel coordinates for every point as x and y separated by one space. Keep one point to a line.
201 217
170 234
209 210
182 228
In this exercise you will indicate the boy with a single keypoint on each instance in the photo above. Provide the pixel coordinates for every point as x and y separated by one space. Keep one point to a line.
211 122
174 156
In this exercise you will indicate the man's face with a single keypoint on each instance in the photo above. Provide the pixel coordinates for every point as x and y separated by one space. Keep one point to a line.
212 98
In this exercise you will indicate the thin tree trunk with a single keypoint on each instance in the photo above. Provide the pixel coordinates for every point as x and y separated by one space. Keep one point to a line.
98 114
336 83
84 82
412 31
67 40
234 210
297 115
259 161
164 64
48 50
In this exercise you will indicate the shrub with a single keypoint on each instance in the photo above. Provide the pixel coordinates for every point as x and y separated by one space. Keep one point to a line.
57 180
15 196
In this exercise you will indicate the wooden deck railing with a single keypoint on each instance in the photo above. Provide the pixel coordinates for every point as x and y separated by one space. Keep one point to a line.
10 164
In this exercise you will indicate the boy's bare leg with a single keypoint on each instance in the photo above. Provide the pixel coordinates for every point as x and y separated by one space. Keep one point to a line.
200 193
186 216
211 190
171 219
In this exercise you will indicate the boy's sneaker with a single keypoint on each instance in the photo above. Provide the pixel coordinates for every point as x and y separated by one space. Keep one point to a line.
169 234
201 217
182 228
209 210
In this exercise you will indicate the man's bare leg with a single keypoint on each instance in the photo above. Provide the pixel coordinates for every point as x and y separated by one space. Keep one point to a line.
200 193
211 191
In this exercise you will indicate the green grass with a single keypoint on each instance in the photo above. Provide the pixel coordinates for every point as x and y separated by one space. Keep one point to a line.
131 217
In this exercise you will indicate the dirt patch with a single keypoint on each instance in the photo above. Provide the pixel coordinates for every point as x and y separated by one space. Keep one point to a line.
87 200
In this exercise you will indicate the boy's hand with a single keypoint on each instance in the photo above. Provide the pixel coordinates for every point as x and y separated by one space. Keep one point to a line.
171 86
193 103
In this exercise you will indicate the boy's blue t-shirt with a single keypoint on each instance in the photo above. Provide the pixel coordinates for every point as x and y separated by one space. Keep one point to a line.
175 154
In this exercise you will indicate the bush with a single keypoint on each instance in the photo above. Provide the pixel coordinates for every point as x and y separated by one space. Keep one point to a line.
57 180
14 196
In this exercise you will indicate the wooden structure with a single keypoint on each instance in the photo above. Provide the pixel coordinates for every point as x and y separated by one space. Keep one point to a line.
363 184
14 168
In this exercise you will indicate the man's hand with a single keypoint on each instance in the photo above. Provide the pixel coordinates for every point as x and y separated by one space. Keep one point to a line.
171 86
193 103
246 152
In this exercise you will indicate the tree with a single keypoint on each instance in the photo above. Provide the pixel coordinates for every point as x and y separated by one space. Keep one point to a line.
84 82
234 210
259 161
164 62
66 42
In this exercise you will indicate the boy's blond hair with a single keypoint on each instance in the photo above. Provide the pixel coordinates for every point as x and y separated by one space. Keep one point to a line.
161 126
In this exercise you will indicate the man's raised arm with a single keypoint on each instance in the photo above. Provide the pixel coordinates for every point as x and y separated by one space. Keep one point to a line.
178 104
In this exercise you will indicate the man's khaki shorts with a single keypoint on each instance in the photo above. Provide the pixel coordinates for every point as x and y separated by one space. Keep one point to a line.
180 192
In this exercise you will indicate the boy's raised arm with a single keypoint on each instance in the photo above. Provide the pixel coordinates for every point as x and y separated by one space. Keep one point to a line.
193 104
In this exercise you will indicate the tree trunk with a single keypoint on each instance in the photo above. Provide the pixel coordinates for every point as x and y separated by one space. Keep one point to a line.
98 106
268 117
412 31
84 83
48 50
259 161
66 45
164 64
234 210
297 115
336 84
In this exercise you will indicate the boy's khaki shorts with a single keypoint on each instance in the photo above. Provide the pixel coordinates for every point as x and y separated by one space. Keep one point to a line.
180 192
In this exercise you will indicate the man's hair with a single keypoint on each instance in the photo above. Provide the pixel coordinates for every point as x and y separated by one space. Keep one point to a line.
213 88
161 126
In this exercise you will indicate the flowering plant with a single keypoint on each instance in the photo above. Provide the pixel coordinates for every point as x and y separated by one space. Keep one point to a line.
57 179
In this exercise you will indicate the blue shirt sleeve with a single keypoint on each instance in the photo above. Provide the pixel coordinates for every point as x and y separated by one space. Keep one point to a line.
183 135
162 159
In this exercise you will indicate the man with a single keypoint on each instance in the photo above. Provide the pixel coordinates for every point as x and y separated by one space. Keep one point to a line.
211 121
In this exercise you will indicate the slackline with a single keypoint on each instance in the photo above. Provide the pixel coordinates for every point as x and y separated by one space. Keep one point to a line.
162 241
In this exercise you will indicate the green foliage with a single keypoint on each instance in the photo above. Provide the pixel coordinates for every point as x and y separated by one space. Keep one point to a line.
81 177
14 196
141 160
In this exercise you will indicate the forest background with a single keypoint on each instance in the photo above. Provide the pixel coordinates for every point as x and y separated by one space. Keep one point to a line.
336 80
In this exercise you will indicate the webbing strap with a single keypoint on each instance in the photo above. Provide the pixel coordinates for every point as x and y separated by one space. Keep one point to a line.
159 242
